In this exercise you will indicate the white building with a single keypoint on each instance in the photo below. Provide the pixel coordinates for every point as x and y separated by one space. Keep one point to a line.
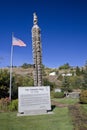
52 74
68 74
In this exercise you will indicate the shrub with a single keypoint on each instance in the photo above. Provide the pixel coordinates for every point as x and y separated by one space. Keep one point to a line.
83 97
13 105
4 103
58 95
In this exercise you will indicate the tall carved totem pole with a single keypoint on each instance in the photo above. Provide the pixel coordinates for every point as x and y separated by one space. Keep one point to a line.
37 52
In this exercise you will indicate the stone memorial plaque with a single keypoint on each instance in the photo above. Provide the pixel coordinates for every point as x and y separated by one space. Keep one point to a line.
33 99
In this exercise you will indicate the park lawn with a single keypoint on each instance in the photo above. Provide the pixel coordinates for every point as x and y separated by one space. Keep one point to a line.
67 101
84 108
59 120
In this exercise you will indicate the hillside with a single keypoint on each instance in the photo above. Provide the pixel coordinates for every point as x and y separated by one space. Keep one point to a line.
69 79
52 75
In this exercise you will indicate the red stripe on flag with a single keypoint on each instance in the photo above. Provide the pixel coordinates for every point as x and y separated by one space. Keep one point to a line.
17 42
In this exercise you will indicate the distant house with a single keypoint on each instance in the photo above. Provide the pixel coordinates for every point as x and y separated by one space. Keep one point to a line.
68 74
63 74
52 74
57 90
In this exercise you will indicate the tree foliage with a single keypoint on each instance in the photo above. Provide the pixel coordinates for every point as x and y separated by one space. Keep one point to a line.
84 83
26 65
66 86
83 97
65 66
17 80
4 83
46 82
20 80
78 72
76 82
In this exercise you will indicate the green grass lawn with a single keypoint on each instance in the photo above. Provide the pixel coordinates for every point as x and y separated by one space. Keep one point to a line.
84 108
59 120
68 101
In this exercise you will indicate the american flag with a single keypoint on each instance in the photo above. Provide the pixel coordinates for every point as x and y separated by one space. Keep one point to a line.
17 42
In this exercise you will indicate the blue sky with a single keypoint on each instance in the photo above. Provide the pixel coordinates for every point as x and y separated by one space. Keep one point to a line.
63 26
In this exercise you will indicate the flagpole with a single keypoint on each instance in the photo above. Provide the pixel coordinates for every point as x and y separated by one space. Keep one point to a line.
11 61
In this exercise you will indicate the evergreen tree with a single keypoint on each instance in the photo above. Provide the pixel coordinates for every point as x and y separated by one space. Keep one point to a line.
66 85
78 72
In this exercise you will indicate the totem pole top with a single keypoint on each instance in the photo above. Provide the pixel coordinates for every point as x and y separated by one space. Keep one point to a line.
35 20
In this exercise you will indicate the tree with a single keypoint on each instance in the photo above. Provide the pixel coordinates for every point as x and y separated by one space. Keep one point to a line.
66 85
26 65
4 83
84 83
19 80
76 82
78 72
46 82
65 66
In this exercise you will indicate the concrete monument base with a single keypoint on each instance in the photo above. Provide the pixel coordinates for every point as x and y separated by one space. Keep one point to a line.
36 112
